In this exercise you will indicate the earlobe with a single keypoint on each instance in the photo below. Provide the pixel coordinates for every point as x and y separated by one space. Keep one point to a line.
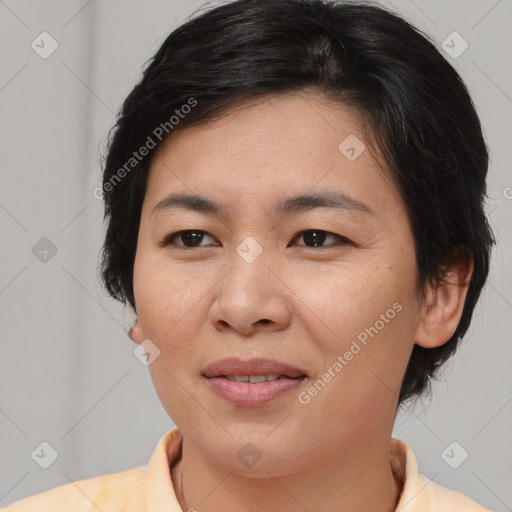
135 333
443 308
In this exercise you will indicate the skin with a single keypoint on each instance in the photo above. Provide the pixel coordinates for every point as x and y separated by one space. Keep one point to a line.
205 302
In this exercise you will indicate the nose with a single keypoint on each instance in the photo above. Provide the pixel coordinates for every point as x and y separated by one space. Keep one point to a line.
252 297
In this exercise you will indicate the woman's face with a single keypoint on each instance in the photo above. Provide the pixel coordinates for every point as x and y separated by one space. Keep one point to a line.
337 302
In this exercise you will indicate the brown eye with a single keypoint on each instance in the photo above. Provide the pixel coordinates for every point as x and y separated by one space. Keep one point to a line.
317 237
190 238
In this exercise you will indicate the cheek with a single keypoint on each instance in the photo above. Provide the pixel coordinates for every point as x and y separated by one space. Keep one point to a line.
166 297
361 324
346 301
169 306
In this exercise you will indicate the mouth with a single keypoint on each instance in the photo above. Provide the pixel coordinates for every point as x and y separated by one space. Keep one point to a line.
254 382
247 393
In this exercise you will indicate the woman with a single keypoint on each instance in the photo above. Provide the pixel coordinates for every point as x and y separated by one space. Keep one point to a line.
295 213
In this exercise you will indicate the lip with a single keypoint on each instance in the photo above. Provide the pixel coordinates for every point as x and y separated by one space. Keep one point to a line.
230 366
245 394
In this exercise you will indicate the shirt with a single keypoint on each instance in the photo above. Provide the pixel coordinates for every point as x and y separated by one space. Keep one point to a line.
150 488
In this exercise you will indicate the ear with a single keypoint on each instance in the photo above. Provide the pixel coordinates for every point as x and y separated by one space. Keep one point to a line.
135 333
440 315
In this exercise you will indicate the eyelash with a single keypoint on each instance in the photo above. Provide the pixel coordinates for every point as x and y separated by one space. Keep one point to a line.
169 239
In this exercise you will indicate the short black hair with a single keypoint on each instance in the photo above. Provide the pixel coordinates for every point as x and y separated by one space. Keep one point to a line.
416 110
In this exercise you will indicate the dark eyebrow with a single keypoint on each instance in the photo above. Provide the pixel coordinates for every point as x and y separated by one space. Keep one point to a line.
295 204
327 199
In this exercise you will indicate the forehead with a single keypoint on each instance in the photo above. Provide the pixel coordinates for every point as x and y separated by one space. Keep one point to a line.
280 146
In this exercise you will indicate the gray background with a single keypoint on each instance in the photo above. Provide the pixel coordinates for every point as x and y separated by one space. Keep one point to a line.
68 374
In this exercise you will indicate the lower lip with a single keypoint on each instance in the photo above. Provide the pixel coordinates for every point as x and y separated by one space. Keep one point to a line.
249 395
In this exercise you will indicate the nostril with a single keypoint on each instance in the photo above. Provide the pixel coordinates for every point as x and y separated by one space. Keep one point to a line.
265 321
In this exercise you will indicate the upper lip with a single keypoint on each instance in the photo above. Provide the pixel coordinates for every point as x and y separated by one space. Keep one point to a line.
256 366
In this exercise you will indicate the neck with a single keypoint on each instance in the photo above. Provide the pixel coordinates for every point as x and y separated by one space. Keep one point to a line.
357 480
